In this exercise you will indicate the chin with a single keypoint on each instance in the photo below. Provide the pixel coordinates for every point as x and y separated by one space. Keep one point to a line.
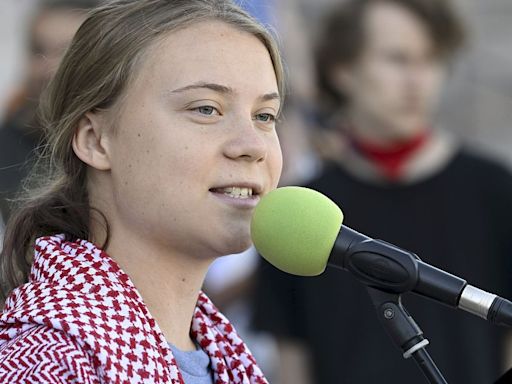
236 244
230 237
241 246
407 129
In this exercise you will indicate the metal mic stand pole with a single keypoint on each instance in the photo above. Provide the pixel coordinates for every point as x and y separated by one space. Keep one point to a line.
405 332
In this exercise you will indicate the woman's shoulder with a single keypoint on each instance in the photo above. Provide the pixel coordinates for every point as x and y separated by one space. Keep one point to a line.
45 355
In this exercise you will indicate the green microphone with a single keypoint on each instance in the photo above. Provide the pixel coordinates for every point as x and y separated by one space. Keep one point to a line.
295 229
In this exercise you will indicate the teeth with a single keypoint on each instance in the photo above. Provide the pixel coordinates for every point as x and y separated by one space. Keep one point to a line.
238 193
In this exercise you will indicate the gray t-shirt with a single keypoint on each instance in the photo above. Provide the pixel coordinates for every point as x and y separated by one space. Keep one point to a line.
194 366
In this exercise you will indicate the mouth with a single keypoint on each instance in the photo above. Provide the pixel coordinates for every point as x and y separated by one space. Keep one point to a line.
241 195
238 191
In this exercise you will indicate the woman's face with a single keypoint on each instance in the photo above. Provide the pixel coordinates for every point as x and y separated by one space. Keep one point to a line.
195 144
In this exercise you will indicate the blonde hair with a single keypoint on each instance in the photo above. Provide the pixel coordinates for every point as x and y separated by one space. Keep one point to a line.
96 69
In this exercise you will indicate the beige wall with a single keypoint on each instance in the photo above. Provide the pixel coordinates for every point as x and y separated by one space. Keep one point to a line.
479 99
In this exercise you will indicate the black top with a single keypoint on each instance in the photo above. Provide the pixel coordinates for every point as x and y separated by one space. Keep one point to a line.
459 220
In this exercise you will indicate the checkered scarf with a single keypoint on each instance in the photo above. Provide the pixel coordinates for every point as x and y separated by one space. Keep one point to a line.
80 319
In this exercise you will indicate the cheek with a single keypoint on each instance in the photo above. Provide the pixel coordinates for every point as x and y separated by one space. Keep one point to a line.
376 96
432 84
377 85
142 163
389 85
275 160
149 185
132 176
387 78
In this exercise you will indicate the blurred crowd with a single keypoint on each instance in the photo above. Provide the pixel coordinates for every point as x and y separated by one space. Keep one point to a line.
398 110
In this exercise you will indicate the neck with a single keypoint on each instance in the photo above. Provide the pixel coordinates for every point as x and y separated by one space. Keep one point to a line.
389 156
169 282
381 135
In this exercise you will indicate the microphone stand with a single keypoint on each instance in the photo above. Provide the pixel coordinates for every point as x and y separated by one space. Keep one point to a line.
404 331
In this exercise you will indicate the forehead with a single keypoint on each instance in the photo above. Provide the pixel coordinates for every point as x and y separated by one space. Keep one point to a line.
389 24
210 51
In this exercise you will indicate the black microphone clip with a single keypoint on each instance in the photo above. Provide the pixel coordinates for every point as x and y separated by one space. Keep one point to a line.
388 268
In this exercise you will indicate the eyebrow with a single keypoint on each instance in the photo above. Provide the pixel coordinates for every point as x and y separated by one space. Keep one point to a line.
224 90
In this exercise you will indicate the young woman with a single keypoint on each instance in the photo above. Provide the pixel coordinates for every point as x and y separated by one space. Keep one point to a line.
160 141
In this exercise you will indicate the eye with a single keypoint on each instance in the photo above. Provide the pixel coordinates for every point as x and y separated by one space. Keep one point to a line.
265 117
207 110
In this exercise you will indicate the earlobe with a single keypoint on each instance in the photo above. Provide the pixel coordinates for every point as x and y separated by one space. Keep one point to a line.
90 142
342 79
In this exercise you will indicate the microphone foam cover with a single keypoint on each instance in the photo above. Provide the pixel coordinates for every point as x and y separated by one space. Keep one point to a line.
295 229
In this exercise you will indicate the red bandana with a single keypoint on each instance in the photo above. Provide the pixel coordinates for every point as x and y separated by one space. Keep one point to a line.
391 160
80 319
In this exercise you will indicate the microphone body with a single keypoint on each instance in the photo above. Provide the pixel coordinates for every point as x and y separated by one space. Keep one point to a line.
386 267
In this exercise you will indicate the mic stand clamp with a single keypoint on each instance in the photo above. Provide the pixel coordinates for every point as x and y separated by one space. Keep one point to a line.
404 332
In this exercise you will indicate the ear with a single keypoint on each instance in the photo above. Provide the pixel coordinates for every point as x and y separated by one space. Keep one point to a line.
90 142
343 79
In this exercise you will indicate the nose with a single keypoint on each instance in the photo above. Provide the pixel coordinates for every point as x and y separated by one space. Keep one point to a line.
247 143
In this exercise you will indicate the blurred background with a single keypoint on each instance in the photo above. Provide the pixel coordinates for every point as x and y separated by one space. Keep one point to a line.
475 106
478 97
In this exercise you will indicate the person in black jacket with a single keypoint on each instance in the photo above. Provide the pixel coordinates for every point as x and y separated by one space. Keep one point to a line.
381 64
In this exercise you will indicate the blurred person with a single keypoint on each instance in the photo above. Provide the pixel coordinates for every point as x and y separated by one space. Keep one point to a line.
398 177
161 139
51 29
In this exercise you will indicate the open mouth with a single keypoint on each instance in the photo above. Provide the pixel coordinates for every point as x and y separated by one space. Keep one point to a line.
236 192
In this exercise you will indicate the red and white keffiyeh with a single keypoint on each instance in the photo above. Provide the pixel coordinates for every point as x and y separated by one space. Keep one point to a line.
80 319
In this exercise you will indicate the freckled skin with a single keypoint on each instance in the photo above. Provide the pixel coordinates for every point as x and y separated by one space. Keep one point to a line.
198 115
167 154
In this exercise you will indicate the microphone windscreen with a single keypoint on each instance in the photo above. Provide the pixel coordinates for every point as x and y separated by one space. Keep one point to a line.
295 229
